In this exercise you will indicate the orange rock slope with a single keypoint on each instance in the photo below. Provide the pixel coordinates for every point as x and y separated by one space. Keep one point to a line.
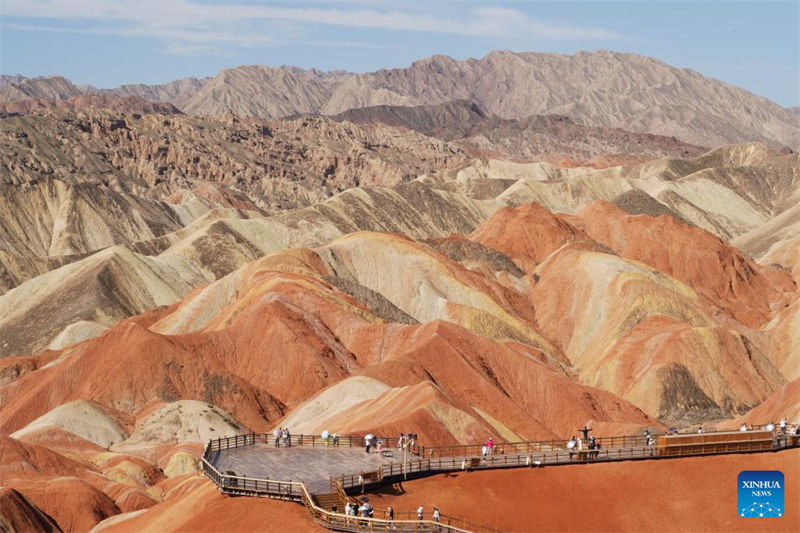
528 328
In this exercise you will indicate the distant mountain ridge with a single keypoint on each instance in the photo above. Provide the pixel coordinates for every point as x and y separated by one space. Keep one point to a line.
602 88
553 138
18 88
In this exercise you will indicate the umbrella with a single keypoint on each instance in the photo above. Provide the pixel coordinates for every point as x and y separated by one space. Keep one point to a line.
369 436
326 434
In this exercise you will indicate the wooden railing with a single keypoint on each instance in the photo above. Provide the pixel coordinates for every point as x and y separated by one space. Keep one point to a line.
527 447
433 460
345 441
236 441
552 455
297 491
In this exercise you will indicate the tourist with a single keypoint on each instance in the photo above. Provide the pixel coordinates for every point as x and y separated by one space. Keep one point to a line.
401 442
592 443
770 426
390 516
288 438
436 514
743 427
364 512
484 452
420 513
367 443
700 430
335 440
379 446
412 440
783 424
579 444
571 443
490 446
334 508
277 434
585 432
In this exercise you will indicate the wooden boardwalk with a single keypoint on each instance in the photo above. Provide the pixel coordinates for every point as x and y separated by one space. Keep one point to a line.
312 473
313 466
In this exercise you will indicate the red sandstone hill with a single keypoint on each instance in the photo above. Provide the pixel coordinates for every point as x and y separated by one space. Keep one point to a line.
529 327
628 293
17 513
718 271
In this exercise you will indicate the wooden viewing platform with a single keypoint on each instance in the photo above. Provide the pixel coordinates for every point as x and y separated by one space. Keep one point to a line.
250 465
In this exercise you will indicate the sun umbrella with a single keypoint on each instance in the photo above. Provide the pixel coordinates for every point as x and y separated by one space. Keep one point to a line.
326 434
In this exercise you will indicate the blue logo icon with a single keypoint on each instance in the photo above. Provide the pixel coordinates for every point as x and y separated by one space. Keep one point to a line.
761 494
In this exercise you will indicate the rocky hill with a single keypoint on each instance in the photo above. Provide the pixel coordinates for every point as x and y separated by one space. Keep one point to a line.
602 89
15 88
128 104
172 322
18 88
553 138
514 246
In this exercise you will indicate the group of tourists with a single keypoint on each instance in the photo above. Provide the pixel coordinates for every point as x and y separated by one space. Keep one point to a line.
330 439
407 441
371 442
365 510
282 437
436 516
578 444
769 427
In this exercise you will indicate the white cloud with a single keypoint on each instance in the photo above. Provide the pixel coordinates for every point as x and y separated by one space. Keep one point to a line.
191 27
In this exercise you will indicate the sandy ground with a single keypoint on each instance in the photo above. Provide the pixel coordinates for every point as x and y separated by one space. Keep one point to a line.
689 495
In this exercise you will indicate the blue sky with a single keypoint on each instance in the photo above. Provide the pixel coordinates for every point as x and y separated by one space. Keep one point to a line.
755 45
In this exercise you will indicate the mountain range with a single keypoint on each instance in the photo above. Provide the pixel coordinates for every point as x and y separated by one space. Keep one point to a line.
602 88
513 246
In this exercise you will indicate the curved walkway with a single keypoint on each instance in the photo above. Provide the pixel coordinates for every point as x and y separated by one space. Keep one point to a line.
320 476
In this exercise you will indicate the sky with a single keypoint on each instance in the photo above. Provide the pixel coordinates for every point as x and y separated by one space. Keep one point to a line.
106 43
